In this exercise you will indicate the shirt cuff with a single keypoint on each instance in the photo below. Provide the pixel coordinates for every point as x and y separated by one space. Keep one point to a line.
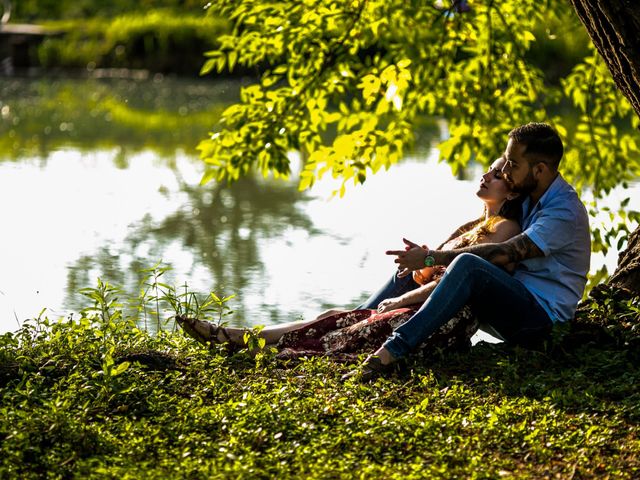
537 239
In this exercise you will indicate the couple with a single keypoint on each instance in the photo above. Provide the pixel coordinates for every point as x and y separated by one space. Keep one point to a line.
515 271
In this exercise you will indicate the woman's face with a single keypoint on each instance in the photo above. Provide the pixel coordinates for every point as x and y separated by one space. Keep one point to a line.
493 186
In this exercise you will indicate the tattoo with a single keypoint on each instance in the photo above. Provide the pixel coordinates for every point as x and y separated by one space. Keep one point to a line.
513 250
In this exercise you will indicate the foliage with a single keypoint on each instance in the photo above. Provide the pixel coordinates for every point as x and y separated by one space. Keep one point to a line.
156 40
348 79
45 10
97 396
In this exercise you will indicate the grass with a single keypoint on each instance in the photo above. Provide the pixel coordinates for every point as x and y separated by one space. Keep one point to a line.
157 40
100 397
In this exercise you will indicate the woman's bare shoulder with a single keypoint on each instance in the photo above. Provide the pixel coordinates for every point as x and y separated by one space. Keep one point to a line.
504 229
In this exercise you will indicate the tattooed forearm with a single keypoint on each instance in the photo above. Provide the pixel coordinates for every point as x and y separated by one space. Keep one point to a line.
513 250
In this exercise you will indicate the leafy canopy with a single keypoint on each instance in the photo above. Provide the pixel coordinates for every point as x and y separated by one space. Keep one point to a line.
344 82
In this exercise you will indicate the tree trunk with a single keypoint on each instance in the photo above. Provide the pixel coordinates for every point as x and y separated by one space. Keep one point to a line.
614 28
627 274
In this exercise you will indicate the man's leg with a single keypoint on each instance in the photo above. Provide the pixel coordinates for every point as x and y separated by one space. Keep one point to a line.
489 290
393 288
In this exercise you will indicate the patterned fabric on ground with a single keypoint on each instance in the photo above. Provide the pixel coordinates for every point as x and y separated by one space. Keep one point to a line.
343 336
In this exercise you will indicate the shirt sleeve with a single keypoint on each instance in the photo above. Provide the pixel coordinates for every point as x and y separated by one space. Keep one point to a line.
553 228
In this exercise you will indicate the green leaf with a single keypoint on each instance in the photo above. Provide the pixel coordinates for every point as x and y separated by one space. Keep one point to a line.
121 368
208 66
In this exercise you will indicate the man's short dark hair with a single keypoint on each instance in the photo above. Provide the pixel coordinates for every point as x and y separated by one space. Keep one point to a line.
542 143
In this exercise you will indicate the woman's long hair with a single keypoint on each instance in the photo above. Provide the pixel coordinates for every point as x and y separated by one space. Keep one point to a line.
510 210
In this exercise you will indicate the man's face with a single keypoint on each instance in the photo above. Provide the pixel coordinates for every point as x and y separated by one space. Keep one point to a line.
516 170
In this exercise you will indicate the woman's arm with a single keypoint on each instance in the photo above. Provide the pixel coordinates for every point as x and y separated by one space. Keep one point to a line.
418 295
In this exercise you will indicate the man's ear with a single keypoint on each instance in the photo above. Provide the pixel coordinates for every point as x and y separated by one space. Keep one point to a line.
539 167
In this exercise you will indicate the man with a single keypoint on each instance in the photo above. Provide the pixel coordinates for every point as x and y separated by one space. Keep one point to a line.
552 252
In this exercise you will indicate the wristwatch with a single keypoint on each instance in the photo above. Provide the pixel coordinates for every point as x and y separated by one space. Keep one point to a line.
429 261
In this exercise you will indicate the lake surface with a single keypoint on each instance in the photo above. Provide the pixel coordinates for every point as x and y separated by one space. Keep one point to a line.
100 178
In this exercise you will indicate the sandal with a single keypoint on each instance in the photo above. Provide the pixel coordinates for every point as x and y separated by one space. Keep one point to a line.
370 369
204 332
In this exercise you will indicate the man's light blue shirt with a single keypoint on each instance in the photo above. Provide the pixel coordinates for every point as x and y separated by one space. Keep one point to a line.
559 225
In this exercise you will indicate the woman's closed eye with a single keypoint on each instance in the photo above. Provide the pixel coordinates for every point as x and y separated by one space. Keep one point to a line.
496 173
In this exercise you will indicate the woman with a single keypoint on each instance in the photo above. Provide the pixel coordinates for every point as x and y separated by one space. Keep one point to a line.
345 334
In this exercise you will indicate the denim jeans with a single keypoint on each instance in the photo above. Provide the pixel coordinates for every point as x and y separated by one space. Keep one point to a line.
496 298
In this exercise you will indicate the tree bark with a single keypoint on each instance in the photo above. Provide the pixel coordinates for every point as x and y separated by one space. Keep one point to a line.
627 274
614 28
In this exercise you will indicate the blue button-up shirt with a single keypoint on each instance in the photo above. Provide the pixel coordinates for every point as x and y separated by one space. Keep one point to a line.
559 225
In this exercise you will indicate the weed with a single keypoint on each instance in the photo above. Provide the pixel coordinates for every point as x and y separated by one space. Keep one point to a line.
102 396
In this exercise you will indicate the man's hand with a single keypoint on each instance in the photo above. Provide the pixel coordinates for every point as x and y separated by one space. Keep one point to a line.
409 259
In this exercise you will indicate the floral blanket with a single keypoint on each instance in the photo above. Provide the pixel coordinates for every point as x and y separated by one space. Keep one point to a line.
346 335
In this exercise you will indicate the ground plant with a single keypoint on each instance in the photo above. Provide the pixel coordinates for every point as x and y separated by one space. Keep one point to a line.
116 391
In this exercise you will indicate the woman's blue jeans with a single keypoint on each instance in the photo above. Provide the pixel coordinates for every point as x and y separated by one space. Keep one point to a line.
495 297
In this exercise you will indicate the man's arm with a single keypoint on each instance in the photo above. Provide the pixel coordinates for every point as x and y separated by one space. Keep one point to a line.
515 249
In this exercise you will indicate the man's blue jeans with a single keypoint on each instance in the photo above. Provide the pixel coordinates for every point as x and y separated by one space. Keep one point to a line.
496 298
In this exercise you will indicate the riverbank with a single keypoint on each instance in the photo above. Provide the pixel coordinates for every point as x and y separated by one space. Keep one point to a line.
157 41
99 397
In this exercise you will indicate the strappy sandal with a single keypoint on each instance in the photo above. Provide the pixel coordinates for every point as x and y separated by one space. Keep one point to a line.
208 334
370 369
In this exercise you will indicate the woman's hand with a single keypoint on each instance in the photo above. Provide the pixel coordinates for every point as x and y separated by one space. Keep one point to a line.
390 304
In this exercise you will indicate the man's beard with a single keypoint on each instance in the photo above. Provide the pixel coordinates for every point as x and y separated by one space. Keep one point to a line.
527 186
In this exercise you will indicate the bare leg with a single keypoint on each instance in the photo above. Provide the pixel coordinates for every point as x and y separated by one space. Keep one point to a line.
273 333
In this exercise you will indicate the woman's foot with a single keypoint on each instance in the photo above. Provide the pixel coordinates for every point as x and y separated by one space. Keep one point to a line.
204 332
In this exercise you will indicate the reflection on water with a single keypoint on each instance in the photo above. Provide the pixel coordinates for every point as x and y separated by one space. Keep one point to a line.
211 234
162 115
115 193
285 254
95 182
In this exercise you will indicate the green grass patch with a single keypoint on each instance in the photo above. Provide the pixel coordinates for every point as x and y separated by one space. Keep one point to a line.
157 40
99 396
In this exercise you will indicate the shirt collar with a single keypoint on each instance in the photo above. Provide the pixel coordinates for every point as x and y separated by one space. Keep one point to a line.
556 187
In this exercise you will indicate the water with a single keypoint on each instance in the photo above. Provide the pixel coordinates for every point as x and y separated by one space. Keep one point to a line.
100 179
